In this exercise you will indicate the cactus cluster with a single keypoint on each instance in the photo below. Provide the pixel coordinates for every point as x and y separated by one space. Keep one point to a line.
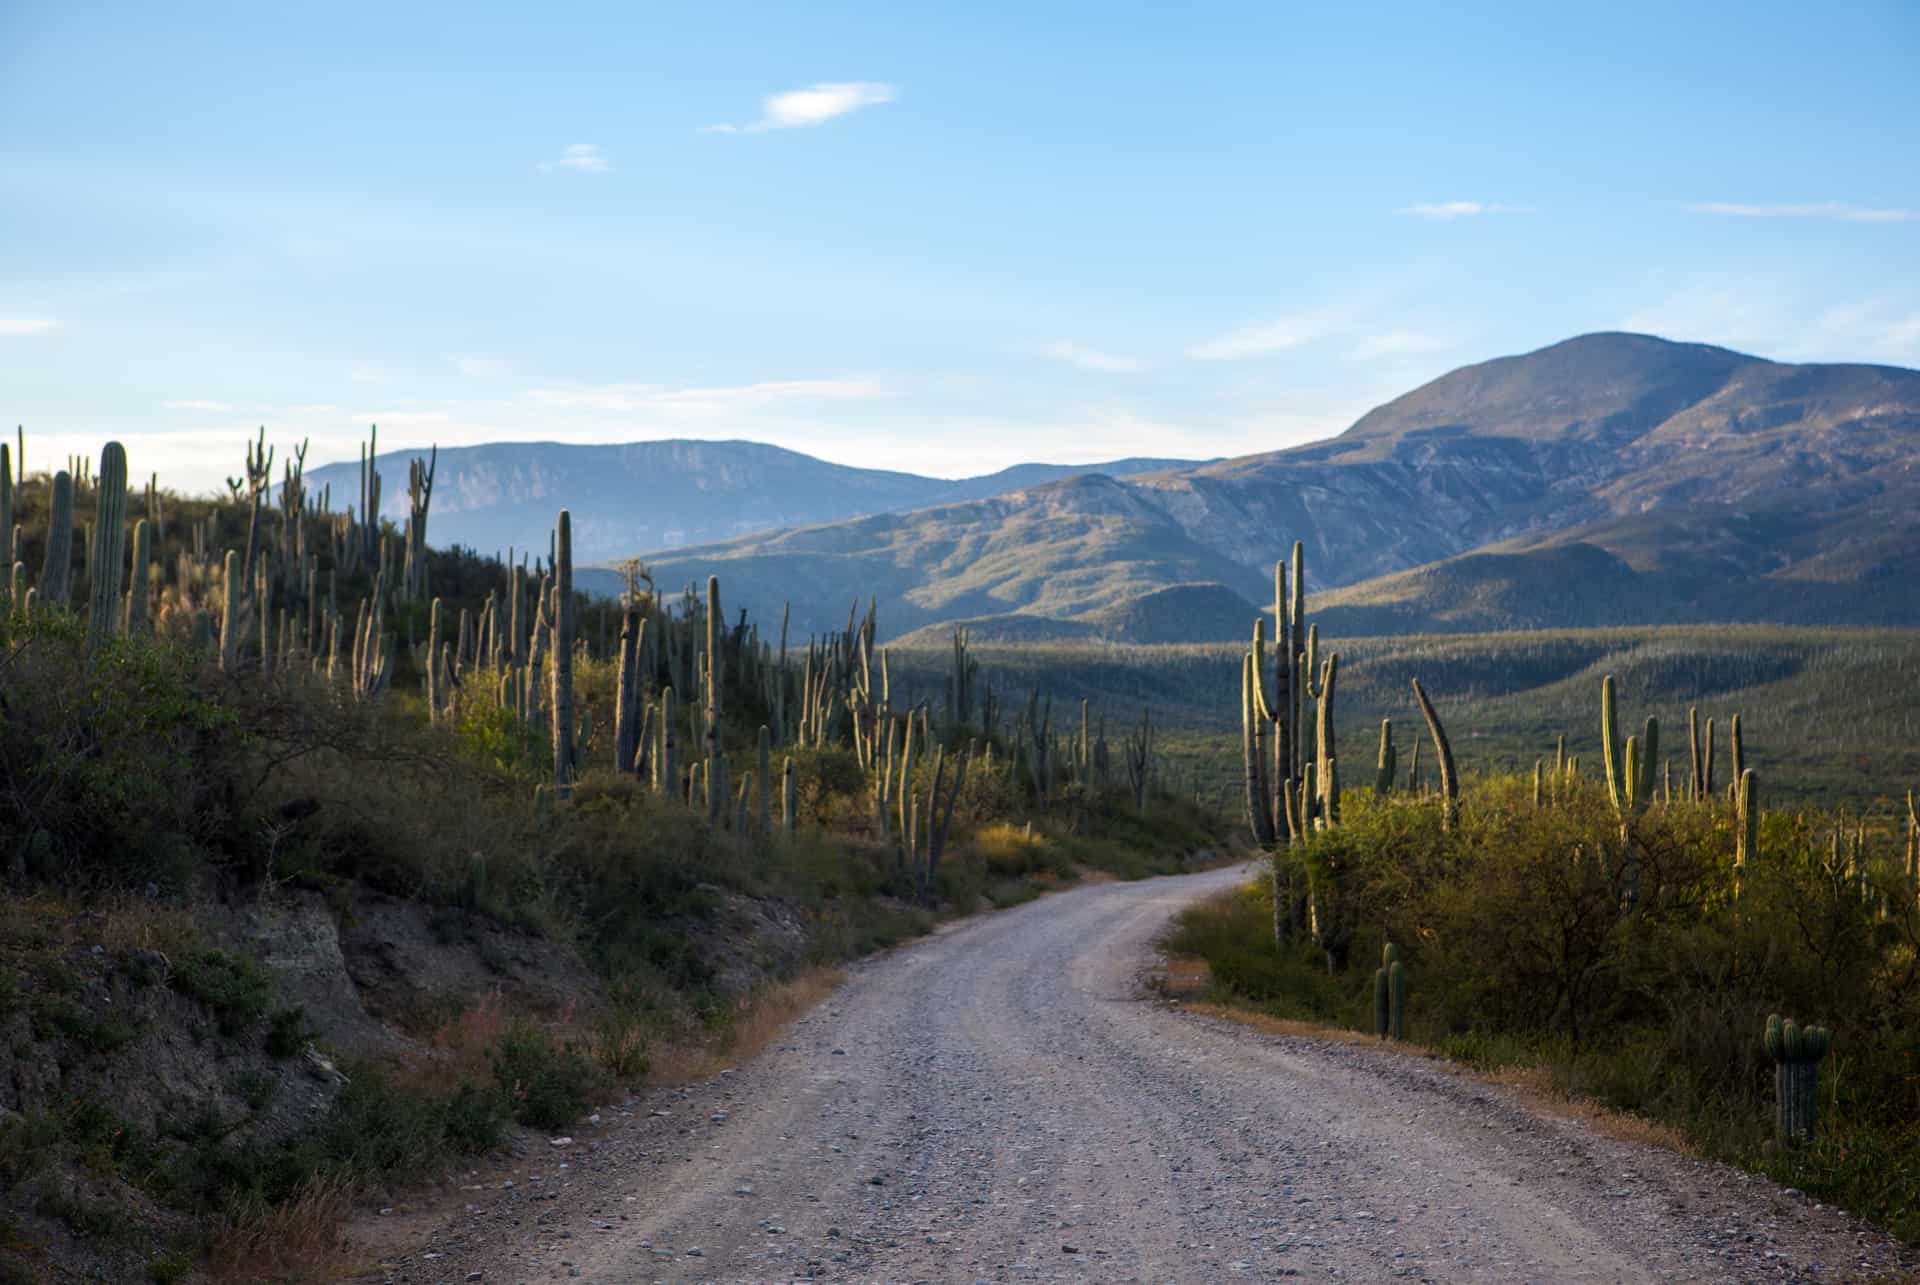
1390 995
1796 1052
1292 776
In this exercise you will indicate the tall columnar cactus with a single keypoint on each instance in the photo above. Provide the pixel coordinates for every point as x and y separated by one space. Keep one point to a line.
107 559
905 793
56 575
1706 758
230 613
716 668
1649 757
1323 735
1913 843
1610 755
789 798
1449 778
1629 781
1697 765
766 779
960 681
435 680
1739 748
259 478
626 699
1796 1052
1253 762
1746 829
667 762
565 761
6 507
1384 766
136 620
419 501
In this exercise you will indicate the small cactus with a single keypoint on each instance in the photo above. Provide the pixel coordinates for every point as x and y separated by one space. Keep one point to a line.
1390 995
1796 1052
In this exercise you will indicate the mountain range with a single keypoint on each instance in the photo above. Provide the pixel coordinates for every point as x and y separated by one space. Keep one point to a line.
1611 478
1607 479
661 495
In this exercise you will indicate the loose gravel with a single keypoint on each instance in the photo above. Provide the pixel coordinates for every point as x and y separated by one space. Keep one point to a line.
1006 1102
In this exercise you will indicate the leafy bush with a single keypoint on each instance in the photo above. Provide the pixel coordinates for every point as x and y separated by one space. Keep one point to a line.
1522 945
547 1084
235 987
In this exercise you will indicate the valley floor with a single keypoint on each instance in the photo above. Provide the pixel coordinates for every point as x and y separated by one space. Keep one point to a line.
1006 1101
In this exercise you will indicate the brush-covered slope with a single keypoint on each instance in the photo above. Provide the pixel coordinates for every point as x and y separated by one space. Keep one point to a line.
1058 551
659 495
1183 613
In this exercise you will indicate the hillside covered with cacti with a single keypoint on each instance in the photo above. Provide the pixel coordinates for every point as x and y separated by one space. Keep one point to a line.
333 858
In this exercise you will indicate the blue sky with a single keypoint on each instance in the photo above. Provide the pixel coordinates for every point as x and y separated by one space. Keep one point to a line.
890 235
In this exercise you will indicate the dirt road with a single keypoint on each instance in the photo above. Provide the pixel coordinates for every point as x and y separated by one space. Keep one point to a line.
1003 1103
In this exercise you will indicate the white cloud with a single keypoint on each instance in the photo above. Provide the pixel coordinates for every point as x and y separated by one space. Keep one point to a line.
704 401
23 326
195 404
586 158
1810 210
1086 358
1463 209
814 105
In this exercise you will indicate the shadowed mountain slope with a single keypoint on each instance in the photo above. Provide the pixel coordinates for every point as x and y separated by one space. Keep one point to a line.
1611 478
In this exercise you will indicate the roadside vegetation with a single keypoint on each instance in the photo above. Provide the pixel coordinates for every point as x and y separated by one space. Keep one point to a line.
1660 925
302 901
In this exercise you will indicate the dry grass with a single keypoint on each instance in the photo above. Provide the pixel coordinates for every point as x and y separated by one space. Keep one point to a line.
1188 980
299 1241
757 1021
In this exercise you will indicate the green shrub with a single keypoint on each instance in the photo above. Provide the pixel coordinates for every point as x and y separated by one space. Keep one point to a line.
235 988
547 1084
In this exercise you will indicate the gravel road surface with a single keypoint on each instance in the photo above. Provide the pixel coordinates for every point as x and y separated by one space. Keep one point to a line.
1005 1102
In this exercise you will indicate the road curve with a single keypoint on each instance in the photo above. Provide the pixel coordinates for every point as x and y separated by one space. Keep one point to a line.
1001 1102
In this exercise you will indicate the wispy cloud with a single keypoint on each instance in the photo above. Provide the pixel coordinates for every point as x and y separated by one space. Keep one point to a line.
814 105
477 365
584 158
1397 343
196 404
1808 210
23 326
704 401
1462 209
1780 321
1086 358
1259 338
